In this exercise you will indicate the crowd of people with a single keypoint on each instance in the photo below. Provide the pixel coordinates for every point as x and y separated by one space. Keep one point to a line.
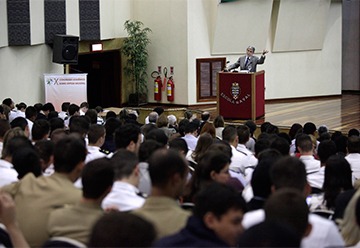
76 178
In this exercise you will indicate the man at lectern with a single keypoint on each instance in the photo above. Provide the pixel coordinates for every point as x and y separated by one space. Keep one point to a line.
249 61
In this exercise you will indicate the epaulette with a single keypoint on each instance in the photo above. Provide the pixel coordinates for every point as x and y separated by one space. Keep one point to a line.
104 151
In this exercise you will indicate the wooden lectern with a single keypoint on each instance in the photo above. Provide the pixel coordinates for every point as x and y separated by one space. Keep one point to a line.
241 95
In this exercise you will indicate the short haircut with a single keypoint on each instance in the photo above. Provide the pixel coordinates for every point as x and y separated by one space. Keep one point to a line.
95 133
251 125
218 199
309 128
282 145
124 162
304 142
205 116
191 127
26 160
148 147
153 116
261 181
269 234
48 107
110 114
326 148
56 123
45 149
65 106
252 48
19 122
4 127
157 135
73 108
97 177
125 134
353 132
92 114
188 114
294 130
229 134
7 101
288 206
354 144
243 133
16 143
79 124
111 125
40 129
84 105
288 172
52 115
163 164
68 153
121 229
178 144
261 145
30 112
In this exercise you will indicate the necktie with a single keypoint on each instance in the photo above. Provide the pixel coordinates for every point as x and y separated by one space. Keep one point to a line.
247 61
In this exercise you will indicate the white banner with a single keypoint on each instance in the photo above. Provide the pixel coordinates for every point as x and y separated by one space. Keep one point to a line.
61 88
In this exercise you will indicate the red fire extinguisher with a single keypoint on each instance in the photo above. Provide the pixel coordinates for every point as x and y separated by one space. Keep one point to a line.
170 89
157 85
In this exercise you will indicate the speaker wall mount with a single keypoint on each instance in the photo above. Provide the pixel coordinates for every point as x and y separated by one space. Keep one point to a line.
65 49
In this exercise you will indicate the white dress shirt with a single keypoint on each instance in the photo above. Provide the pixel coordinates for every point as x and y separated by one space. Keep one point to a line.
316 179
191 141
7 173
324 233
354 161
239 161
94 153
124 197
311 164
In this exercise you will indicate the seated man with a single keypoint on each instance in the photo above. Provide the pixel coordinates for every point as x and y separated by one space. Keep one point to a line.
216 221
76 221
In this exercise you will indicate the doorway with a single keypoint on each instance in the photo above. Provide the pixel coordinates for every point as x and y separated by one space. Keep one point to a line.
104 77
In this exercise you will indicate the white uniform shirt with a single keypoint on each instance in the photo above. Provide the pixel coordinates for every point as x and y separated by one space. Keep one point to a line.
354 161
145 180
124 197
316 179
191 141
311 164
94 153
238 161
7 173
324 233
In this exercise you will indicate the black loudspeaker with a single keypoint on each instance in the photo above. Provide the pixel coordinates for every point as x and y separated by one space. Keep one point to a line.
65 49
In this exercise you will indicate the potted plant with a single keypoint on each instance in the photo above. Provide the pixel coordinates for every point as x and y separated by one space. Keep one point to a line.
134 48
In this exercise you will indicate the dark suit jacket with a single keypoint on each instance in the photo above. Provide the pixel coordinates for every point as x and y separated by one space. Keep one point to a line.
251 66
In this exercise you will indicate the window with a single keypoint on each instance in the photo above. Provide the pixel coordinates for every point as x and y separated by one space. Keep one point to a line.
206 78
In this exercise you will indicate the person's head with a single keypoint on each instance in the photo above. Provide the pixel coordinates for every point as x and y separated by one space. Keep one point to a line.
261 145
9 102
122 229
73 109
264 126
341 142
182 124
4 127
219 121
353 132
282 145
172 120
110 114
208 128
295 129
179 145
69 155
153 116
97 178
80 125
22 123
191 128
40 130
26 160
10 134
3 115
243 133
322 129
125 164
96 135
159 110
111 125
84 106
65 106
205 116
14 144
128 136
148 147
157 135
188 114
221 209
56 123
338 178
58 134
252 126
92 114
168 172
250 51
309 128
230 135
21 106
38 106
45 150
289 172
304 143
283 205
30 113
354 144
326 148
52 115
162 121
269 234
47 108
204 142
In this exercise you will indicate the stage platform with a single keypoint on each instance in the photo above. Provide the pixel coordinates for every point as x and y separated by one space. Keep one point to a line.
338 113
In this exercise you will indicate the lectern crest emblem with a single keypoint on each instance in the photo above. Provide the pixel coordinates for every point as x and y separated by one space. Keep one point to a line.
235 90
